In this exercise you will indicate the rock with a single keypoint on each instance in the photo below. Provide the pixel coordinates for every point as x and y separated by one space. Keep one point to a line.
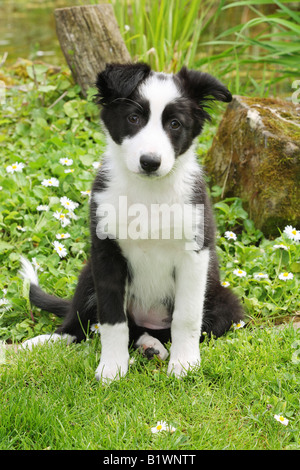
255 155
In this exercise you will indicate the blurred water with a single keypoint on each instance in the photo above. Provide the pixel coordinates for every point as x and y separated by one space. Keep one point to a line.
27 29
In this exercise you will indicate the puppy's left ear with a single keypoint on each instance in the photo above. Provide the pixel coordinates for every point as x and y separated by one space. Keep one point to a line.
202 87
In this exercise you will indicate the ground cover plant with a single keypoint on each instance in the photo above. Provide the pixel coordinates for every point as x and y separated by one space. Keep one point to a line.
246 393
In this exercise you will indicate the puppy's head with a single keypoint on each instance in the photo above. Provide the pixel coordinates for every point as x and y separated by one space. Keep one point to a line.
153 118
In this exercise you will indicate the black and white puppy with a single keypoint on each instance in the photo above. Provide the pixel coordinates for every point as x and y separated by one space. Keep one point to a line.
153 273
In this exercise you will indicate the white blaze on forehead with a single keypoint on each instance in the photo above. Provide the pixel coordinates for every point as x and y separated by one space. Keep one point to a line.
159 91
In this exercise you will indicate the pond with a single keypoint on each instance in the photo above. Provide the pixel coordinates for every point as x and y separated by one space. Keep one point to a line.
27 29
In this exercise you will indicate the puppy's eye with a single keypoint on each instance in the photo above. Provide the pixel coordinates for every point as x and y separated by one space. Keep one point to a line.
174 124
133 119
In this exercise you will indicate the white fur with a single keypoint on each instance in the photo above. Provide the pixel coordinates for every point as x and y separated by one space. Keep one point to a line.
146 341
28 271
191 277
114 352
47 338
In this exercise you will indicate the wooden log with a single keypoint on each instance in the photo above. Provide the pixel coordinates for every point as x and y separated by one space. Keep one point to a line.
90 38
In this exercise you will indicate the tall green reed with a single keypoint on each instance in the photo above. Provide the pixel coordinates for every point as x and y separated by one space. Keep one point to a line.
165 33
257 53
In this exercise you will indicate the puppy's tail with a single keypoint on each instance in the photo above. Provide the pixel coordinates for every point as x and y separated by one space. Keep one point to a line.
38 297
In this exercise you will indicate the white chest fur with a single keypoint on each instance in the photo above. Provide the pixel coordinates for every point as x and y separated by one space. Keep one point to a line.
152 244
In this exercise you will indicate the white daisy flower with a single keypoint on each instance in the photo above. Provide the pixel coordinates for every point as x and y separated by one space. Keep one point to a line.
15 167
286 276
239 325
60 249
260 276
22 229
50 182
239 272
281 419
225 284
162 426
69 170
42 207
230 235
95 328
96 165
292 233
36 264
62 236
64 220
68 204
86 193
66 161
281 246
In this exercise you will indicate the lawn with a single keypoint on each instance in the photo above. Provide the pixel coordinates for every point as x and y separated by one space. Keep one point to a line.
50 145
51 400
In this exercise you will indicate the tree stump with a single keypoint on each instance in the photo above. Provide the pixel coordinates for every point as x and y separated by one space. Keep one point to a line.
90 38
255 155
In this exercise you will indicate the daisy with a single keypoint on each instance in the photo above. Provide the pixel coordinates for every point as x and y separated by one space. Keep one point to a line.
42 207
62 218
22 229
162 426
95 328
87 193
292 233
60 249
96 165
66 161
239 325
281 419
239 272
15 167
230 235
62 236
225 284
36 264
50 182
69 170
68 204
286 276
260 276
281 246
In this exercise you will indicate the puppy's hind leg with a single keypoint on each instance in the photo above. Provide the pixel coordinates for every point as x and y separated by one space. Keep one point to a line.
151 346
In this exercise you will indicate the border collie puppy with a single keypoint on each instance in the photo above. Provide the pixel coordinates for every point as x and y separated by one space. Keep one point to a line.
153 273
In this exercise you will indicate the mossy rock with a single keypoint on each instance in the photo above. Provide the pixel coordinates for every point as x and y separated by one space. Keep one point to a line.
255 155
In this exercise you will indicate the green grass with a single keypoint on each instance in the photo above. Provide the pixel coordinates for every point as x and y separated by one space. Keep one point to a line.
229 403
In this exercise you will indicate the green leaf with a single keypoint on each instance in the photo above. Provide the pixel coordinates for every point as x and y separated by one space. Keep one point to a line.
5 246
70 108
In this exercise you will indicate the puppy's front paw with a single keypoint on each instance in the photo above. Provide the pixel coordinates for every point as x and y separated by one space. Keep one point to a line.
106 372
180 367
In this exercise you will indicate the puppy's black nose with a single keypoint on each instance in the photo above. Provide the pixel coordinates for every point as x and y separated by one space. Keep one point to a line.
150 162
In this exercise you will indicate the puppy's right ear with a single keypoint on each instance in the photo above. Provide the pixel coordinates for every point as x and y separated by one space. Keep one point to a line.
119 81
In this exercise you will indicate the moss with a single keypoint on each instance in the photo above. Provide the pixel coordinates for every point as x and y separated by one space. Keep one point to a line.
260 164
